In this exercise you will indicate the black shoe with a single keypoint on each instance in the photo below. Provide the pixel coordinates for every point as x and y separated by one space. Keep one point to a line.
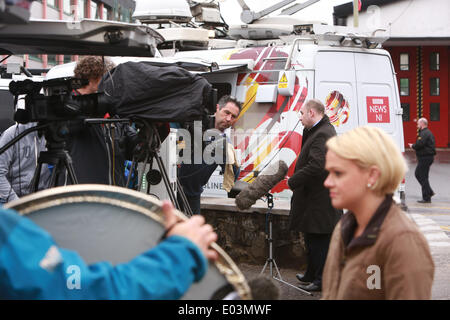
424 201
312 287
302 279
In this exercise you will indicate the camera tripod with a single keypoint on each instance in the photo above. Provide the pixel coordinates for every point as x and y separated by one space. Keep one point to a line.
270 261
56 155
56 134
150 150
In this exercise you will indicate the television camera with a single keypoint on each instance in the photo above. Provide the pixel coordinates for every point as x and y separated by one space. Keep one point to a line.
54 100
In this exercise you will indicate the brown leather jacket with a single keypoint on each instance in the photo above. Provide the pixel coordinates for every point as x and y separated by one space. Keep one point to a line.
390 260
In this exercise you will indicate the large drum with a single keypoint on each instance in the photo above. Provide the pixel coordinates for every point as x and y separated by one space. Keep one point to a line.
105 223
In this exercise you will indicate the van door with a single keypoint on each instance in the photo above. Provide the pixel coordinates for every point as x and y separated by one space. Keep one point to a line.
336 88
377 95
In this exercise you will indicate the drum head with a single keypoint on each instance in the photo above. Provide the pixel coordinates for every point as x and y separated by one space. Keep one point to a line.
106 223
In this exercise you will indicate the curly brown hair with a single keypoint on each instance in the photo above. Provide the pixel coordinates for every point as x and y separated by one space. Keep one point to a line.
92 67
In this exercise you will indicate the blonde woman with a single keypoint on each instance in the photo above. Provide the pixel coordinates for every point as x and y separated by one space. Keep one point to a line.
376 251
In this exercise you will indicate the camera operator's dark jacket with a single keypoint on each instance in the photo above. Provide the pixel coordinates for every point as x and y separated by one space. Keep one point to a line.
99 152
194 176
425 144
311 209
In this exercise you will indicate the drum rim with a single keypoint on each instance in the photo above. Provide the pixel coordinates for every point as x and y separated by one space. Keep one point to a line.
49 197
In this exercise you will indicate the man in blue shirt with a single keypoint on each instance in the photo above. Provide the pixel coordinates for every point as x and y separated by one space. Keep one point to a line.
33 267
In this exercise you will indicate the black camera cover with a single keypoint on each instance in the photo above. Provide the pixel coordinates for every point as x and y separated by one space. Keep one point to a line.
156 93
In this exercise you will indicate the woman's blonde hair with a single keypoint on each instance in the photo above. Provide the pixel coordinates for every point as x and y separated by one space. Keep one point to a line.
370 146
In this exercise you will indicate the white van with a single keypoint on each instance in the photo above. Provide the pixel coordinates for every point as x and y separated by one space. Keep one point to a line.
349 73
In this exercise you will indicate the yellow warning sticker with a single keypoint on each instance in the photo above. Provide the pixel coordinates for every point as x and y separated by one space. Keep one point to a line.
283 81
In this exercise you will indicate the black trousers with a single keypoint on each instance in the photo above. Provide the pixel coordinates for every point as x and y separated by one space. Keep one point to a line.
194 203
317 249
422 172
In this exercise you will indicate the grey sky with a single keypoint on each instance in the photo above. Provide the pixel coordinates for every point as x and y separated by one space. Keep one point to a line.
322 10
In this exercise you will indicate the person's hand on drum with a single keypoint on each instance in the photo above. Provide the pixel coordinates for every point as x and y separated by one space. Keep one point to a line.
193 229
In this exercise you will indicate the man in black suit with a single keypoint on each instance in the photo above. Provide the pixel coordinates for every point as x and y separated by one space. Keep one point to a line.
425 148
311 210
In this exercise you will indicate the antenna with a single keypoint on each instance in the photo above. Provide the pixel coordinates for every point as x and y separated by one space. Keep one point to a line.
248 16
297 7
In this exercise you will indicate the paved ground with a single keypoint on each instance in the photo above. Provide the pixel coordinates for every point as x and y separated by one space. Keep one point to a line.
433 220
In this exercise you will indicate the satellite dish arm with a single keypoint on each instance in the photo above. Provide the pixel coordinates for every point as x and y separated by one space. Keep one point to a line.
248 16
297 7
243 5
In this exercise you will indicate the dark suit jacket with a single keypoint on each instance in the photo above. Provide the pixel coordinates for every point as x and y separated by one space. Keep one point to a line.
425 144
311 209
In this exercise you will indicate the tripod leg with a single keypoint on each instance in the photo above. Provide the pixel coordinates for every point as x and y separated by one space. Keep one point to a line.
264 268
165 177
278 271
130 172
69 166
186 204
35 181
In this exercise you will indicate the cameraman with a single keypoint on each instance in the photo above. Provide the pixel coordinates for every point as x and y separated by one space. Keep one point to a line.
194 176
98 151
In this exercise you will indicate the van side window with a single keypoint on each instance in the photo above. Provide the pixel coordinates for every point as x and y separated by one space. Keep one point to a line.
404 86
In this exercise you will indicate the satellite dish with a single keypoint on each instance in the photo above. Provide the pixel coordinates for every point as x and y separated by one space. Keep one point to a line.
166 11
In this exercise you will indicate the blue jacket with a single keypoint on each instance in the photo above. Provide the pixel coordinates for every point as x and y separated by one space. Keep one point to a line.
33 267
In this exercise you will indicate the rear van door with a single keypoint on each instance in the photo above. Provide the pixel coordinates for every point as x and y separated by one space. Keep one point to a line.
378 95
335 86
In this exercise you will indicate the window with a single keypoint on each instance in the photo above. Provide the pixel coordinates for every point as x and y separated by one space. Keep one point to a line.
434 112
81 9
51 59
434 61
108 13
35 57
67 58
222 89
94 13
53 3
125 15
406 112
105 13
67 7
404 61
434 86
404 87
